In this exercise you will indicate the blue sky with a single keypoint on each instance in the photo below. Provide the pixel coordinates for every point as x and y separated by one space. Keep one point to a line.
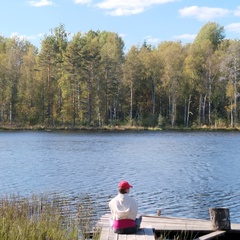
135 21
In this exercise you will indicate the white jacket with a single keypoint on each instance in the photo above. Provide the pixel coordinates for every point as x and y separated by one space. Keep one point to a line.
123 207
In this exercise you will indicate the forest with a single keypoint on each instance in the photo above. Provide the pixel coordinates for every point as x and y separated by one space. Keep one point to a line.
91 81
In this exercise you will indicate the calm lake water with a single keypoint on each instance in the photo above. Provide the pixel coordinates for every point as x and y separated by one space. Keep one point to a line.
182 173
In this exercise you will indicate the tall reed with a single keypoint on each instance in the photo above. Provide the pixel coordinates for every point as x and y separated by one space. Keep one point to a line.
43 218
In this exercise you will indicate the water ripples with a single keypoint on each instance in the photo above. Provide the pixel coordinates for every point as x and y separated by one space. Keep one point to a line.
182 173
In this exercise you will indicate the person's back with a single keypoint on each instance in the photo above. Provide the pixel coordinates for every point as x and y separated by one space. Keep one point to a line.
124 210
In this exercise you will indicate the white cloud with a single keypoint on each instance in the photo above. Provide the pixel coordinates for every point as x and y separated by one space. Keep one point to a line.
16 35
151 40
185 36
41 3
82 1
203 13
40 35
128 7
25 37
122 35
237 12
125 11
233 27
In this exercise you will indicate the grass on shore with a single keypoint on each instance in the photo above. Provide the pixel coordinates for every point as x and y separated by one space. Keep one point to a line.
220 127
42 218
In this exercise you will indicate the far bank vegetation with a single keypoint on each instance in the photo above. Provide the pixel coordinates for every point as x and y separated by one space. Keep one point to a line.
89 81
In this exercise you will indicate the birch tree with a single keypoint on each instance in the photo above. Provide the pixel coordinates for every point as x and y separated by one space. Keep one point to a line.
132 73
173 58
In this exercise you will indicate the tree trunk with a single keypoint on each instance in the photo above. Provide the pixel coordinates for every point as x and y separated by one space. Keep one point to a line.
49 107
185 113
204 110
89 95
231 113
131 103
107 107
199 110
153 101
235 98
209 104
188 111
10 112
74 108
173 111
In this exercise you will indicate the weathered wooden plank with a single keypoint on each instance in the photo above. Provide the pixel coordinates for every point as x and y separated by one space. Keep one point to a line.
211 235
104 235
169 224
142 234
179 227
162 223
108 234
131 237
121 236
112 235
183 223
175 220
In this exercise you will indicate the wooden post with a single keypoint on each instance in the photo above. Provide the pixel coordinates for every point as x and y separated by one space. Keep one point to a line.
220 218
159 212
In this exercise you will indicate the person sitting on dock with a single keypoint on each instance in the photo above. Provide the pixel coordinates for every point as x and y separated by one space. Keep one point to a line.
124 211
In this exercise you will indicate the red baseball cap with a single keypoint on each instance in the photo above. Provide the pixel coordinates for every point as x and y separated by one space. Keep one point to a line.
124 185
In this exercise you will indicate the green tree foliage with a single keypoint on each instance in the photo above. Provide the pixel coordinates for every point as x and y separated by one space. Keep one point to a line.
230 66
109 80
212 32
131 76
3 79
150 84
93 71
50 61
90 55
90 81
71 81
15 51
203 69
173 57
27 88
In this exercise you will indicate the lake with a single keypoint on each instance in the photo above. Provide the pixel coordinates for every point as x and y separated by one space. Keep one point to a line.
182 173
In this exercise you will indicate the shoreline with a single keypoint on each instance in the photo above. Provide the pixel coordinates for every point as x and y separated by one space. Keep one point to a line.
117 128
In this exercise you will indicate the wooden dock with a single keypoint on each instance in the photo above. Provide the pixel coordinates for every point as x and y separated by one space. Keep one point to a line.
170 227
